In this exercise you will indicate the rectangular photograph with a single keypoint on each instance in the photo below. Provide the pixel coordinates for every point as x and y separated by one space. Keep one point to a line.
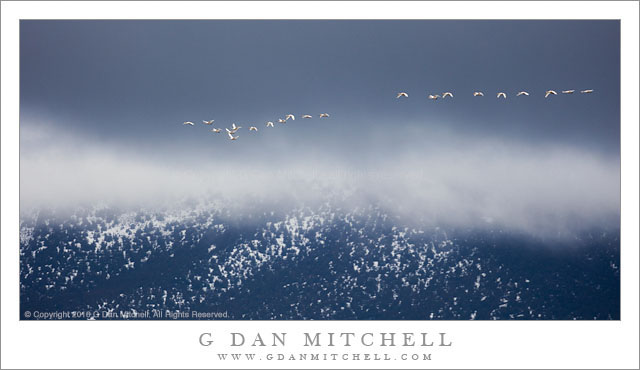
319 170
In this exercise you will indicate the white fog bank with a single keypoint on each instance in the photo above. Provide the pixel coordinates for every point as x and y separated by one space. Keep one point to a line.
479 183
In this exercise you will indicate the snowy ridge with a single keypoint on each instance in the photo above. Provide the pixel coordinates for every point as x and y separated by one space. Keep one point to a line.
308 262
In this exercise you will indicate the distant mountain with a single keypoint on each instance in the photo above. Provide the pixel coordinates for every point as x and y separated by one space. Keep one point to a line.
320 262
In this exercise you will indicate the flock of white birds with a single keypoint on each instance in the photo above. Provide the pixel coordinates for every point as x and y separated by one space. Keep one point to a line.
500 94
233 129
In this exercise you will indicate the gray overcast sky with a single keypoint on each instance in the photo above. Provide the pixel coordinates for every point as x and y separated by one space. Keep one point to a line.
102 106
133 83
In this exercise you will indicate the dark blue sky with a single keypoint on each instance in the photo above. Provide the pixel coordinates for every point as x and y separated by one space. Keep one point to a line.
133 83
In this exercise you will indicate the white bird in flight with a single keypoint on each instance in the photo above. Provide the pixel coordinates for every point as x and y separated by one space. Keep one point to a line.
235 128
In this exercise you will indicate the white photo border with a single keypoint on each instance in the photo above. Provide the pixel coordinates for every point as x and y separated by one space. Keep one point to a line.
483 344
